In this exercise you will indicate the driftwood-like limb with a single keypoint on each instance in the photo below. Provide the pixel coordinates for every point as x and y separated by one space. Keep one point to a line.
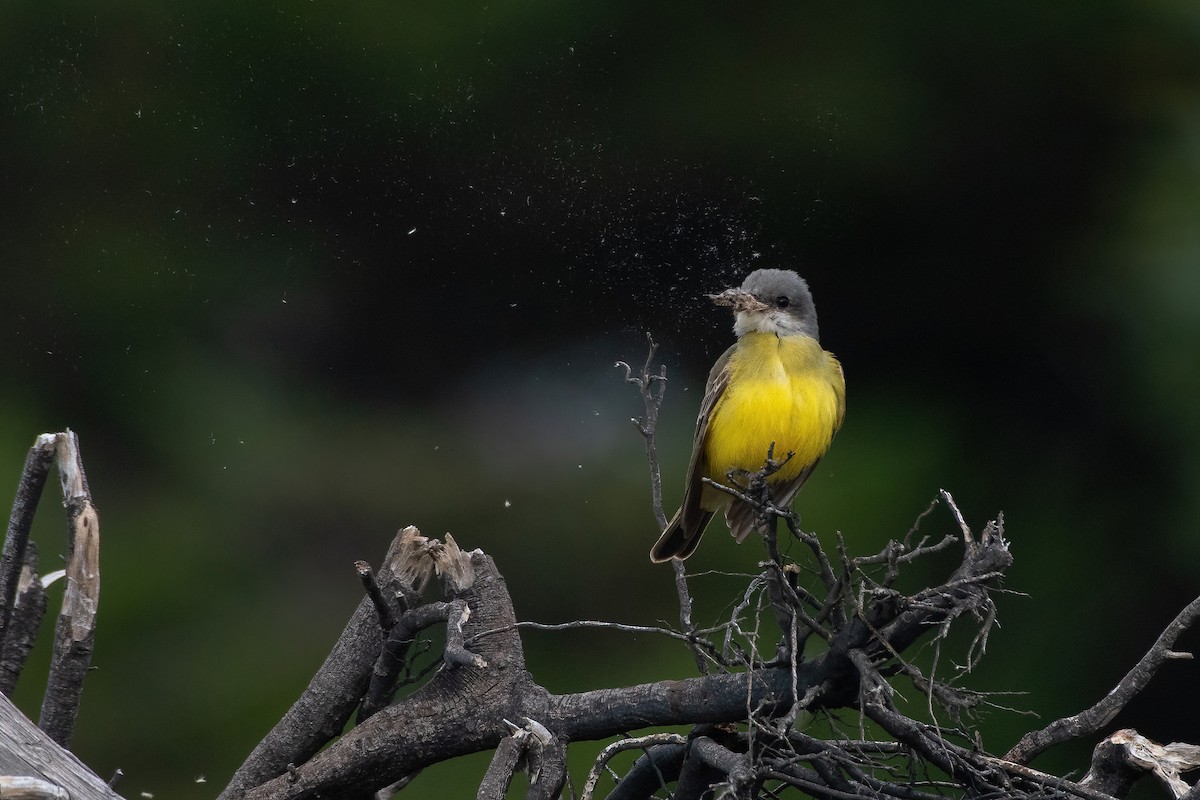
74 635
388 792
698 778
547 769
460 710
29 492
507 759
25 750
454 571
28 612
533 747
1091 720
335 691
737 767
14 787
456 654
1126 755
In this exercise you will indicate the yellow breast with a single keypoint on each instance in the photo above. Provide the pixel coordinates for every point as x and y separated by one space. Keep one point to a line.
785 390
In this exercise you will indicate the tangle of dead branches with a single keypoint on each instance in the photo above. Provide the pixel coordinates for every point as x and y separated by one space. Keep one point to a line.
833 674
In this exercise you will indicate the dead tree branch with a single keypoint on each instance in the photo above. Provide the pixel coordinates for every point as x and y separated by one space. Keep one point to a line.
27 614
322 710
463 706
848 631
1089 721
75 634
32 759
26 750
653 388
1126 756
29 492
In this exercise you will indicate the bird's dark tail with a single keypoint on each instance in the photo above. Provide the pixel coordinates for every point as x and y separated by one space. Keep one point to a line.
679 540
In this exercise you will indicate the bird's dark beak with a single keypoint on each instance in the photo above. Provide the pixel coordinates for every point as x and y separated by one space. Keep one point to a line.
739 299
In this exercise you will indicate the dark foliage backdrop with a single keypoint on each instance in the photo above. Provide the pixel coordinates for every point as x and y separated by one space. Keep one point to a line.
300 275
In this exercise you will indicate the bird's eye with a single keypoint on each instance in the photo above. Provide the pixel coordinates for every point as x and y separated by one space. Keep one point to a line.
782 301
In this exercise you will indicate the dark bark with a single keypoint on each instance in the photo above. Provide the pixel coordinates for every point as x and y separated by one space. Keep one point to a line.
29 492
481 684
659 766
28 613
75 633
461 710
322 710
24 749
509 754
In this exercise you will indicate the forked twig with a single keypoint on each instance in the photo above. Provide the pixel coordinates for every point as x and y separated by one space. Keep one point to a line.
652 387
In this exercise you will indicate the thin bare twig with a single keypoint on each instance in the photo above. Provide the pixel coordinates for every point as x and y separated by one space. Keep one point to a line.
387 619
653 387
620 746
692 639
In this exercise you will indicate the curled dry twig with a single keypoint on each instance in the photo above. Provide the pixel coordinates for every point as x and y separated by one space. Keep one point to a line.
652 387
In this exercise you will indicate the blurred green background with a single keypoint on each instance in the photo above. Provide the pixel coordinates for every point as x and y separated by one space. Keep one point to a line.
302 274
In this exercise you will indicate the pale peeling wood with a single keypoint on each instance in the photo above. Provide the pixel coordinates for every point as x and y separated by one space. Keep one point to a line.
74 635
14 787
82 595
1165 761
27 751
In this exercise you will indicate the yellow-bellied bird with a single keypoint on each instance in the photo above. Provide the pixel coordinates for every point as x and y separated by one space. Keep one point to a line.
775 385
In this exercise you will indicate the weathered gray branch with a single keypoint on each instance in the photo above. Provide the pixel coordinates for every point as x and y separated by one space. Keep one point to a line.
28 612
322 710
27 750
75 633
1089 721
463 708
29 492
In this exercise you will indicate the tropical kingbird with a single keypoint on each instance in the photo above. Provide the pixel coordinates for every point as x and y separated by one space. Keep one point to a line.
776 387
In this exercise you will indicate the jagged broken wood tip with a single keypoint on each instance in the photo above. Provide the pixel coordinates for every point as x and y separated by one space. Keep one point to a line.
453 566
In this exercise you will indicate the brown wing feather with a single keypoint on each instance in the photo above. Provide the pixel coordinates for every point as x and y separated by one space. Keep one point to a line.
683 532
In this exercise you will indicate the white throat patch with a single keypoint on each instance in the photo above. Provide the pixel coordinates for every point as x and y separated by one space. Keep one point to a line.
774 321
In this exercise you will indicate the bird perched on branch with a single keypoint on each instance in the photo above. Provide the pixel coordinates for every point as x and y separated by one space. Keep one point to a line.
774 391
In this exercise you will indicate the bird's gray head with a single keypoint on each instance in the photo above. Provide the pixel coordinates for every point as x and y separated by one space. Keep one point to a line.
771 301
